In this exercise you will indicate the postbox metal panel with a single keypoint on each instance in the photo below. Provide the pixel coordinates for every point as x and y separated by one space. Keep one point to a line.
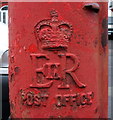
58 60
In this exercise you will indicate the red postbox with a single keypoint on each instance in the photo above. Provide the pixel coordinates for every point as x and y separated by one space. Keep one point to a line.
58 59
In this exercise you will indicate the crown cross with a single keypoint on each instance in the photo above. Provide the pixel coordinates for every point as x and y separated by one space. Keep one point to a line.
54 15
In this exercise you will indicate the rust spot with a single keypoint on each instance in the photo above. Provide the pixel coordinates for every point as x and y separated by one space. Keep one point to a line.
17 69
104 40
95 43
12 77
96 110
78 42
105 23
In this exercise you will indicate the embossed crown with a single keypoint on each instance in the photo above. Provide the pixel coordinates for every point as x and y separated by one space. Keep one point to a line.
53 33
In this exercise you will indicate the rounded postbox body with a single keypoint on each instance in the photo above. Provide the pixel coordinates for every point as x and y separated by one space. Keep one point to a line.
58 59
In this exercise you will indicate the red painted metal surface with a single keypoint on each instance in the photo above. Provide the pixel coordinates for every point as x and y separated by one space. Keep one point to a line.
58 60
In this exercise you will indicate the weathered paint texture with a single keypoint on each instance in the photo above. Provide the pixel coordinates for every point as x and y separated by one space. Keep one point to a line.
58 60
